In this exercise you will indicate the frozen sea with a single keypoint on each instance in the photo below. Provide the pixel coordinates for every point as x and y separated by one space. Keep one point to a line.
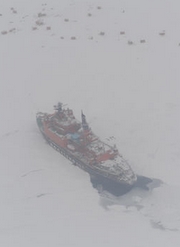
118 61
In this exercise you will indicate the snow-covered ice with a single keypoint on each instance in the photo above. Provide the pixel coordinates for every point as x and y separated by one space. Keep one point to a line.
118 61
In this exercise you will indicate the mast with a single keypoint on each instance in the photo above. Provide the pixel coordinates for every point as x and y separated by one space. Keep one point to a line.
84 123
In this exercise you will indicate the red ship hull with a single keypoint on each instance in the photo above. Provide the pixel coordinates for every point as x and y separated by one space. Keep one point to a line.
77 143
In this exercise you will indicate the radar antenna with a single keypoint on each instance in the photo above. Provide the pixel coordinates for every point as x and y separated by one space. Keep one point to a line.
58 107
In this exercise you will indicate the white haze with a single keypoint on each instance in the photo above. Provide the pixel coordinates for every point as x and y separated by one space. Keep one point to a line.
118 61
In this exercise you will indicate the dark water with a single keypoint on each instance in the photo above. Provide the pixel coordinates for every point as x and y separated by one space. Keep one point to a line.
132 197
143 183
